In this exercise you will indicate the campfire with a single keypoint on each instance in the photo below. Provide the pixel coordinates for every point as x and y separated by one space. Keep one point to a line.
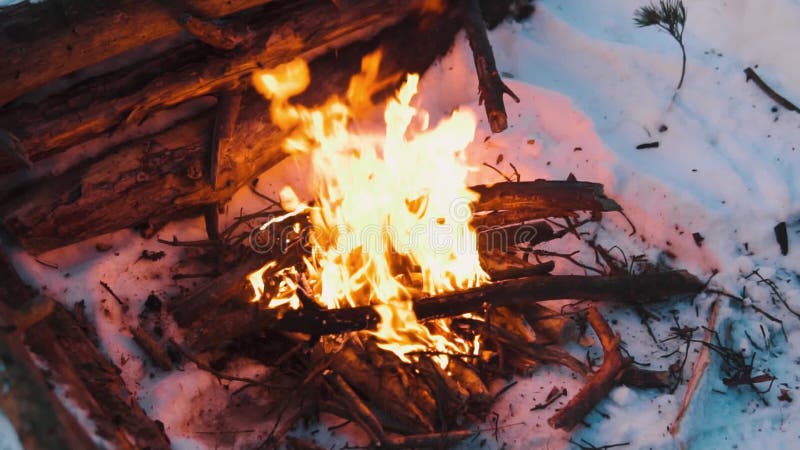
383 289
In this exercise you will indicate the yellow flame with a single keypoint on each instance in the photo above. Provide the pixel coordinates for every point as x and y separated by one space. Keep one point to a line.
386 204
257 281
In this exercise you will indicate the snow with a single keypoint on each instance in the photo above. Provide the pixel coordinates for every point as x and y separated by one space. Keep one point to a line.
593 86
8 437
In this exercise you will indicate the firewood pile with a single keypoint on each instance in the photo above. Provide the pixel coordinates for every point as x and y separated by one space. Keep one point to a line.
137 113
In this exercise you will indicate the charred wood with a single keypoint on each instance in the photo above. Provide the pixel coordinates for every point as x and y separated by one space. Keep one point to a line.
630 289
389 388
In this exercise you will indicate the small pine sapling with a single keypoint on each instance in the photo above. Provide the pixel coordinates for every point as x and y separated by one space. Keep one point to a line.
670 16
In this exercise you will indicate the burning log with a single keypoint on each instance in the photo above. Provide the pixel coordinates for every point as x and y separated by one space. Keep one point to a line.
305 29
630 289
538 197
391 389
514 203
231 284
599 383
160 178
90 380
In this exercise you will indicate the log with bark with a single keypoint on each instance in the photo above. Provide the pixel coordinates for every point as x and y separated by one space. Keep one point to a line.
121 100
37 415
160 178
89 380
46 40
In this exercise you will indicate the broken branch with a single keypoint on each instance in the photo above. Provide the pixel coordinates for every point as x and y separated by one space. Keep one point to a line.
599 383
490 86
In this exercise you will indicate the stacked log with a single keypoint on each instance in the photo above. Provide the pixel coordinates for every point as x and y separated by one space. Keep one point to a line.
174 168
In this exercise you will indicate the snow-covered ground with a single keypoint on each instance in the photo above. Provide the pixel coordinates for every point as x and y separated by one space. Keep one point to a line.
593 86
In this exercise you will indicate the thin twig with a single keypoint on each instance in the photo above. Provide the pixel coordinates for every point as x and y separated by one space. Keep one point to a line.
779 99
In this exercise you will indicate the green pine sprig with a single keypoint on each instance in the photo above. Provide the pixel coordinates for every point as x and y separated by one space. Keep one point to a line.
668 15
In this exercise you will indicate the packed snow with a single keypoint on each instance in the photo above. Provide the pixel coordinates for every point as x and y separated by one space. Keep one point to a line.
592 86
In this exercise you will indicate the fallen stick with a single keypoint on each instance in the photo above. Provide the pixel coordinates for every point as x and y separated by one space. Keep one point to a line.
541 198
490 86
699 369
630 289
779 99
599 383
360 411
224 129
151 347
647 379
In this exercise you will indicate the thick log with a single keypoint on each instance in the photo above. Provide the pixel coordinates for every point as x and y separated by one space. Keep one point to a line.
300 29
46 40
160 178
90 380
37 415
217 329
93 382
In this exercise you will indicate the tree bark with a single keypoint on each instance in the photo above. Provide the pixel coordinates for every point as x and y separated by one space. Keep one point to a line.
300 29
160 178
539 199
44 41
89 378
37 415
94 383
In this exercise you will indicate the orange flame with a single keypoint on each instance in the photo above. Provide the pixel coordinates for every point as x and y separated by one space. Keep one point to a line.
386 204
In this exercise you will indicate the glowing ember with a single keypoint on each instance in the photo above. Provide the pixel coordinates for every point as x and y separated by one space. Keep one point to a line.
389 207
